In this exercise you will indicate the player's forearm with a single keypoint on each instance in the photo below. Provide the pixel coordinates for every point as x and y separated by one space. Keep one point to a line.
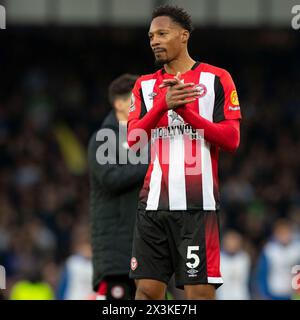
225 134
147 123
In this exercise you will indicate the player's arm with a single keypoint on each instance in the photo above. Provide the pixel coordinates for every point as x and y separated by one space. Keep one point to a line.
224 131
225 134
139 118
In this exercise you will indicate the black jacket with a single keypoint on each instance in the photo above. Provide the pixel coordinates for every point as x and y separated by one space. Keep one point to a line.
114 192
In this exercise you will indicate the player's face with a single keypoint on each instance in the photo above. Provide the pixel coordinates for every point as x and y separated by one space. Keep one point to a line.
167 39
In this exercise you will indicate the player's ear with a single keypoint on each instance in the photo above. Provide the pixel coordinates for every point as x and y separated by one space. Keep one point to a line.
185 36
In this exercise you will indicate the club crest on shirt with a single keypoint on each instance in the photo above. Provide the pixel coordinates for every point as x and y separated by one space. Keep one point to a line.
202 89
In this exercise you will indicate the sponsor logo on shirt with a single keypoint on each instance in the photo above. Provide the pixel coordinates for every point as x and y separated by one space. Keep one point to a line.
175 118
233 108
192 273
176 130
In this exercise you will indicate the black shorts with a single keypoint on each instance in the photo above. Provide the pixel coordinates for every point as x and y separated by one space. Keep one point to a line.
182 242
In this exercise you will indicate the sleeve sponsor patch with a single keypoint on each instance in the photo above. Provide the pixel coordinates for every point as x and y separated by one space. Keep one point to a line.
234 108
234 98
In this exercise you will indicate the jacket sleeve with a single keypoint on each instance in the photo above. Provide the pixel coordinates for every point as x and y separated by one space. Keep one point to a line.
112 175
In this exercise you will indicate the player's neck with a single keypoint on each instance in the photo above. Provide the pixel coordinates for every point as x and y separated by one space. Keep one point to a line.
181 64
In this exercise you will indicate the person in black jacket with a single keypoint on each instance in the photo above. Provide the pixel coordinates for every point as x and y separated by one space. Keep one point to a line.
114 189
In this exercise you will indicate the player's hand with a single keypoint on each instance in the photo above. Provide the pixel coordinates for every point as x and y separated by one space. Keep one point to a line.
171 82
179 93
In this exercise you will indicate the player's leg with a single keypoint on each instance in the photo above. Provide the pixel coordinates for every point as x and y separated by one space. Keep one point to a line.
151 266
148 289
200 292
196 250
209 255
174 293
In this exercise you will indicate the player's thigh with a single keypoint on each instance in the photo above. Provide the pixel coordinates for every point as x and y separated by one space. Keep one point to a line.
150 289
200 292
197 250
151 257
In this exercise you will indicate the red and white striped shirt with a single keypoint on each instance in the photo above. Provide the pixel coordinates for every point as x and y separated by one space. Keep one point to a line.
183 173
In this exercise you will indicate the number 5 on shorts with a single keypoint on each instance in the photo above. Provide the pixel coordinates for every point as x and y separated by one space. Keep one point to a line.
191 255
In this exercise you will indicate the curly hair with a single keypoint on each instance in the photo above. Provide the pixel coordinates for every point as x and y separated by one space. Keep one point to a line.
178 15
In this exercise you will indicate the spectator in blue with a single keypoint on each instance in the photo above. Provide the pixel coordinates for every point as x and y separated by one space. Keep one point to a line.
279 255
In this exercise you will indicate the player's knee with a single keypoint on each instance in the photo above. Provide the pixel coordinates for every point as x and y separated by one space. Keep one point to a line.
143 294
200 296
147 291
206 292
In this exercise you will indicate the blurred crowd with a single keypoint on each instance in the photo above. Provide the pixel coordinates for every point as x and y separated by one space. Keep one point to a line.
54 96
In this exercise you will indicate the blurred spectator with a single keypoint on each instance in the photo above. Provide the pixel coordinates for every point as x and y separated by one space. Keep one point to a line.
31 290
235 268
33 286
279 255
76 278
